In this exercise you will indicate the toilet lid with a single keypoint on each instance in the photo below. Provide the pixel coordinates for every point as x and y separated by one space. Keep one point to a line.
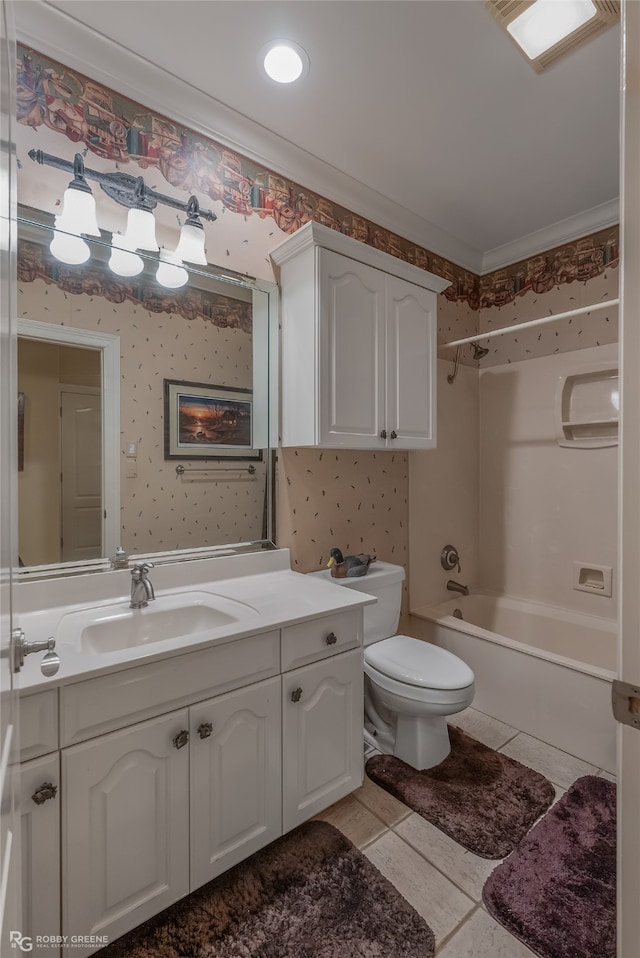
418 663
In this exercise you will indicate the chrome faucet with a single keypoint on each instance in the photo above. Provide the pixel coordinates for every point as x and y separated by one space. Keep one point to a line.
141 589
456 587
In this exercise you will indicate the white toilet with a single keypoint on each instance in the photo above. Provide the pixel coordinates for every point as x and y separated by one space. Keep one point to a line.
411 686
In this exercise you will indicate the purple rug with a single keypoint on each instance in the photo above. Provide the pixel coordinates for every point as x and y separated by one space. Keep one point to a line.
557 891
310 894
484 800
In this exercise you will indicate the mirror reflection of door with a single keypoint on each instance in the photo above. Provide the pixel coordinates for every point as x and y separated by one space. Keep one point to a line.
81 474
60 485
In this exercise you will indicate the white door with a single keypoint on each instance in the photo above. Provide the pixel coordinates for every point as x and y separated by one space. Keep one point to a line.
9 745
40 839
125 827
235 778
410 366
352 343
322 751
629 664
81 475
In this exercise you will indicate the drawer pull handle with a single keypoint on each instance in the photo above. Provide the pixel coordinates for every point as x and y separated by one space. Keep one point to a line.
181 739
296 695
383 433
394 434
205 729
46 791
331 639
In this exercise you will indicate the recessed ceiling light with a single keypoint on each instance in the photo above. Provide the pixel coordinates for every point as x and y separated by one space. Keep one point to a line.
284 61
545 30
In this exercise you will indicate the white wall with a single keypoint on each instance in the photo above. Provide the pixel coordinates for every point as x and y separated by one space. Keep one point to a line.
542 506
443 491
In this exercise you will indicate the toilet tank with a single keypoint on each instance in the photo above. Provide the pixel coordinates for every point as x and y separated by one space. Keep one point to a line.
384 580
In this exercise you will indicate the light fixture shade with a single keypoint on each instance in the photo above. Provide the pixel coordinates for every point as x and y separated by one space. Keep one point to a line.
141 230
78 213
547 22
171 273
123 261
190 248
67 247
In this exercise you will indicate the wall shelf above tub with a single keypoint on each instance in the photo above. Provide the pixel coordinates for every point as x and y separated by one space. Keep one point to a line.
587 407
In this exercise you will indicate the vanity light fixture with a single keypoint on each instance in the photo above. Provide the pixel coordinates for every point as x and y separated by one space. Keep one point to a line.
284 61
78 219
545 30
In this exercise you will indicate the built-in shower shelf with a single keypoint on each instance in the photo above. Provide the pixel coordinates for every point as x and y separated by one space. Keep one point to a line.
587 408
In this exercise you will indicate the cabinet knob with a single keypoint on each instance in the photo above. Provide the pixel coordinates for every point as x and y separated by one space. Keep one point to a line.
394 434
205 729
383 433
46 791
296 695
181 739
331 639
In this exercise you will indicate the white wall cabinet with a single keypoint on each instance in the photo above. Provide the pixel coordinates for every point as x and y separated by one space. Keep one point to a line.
153 809
359 341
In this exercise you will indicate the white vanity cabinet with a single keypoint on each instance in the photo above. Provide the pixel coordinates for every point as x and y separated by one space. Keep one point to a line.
321 735
359 333
173 771
235 778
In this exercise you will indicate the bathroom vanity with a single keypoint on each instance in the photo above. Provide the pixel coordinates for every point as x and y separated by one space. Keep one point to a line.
149 769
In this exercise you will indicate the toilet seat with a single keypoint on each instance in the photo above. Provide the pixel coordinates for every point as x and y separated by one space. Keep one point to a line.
405 661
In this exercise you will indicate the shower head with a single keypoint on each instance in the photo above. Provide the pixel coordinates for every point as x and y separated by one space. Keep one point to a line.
479 351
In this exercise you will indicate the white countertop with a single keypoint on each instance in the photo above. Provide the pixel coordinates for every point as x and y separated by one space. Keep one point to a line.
278 596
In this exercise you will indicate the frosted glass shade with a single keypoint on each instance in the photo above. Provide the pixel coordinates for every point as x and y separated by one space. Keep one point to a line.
141 230
547 22
190 248
78 213
124 262
171 273
68 248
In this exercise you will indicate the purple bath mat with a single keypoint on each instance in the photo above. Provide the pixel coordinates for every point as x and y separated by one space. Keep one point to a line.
484 800
310 894
557 891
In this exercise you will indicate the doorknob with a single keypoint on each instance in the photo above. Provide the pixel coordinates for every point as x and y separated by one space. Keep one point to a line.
296 695
383 433
205 729
394 434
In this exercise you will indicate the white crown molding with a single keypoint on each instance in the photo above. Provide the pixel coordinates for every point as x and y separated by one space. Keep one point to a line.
565 231
60 36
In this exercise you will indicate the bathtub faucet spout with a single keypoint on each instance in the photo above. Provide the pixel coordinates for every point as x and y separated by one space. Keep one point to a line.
456 587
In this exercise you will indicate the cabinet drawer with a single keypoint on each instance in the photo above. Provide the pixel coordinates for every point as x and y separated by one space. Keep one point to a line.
311 641
112 701
38 724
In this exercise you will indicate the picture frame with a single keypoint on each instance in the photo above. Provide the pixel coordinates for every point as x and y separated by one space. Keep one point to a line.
206 421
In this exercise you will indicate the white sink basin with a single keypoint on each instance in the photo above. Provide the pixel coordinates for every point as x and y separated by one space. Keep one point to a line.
109 628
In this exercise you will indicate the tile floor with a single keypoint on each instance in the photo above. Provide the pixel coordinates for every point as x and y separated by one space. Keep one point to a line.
437 876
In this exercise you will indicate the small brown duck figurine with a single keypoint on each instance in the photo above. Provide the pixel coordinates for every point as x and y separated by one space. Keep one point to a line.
348 566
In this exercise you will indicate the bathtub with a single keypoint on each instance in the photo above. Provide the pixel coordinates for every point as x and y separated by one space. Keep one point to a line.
543 670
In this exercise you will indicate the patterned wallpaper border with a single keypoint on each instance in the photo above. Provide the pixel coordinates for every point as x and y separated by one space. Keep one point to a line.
120 129
34 262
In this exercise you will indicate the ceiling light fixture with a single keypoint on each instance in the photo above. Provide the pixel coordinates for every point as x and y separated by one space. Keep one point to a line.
284 61
78 218
545 30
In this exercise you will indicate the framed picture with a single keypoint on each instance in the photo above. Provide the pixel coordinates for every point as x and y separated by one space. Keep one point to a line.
202 421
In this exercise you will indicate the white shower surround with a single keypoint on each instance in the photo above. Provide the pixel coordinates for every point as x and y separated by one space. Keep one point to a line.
544 670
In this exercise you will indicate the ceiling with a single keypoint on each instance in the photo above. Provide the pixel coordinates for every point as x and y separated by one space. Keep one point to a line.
426 103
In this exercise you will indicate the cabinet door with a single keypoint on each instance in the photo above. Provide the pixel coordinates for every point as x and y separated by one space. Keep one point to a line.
351 366
40 843
125 840
411 366
235 777
323 715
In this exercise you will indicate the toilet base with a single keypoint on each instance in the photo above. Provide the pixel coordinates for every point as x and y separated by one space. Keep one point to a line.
422 742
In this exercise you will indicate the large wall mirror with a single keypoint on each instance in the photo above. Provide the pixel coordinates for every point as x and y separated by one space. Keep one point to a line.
144 413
